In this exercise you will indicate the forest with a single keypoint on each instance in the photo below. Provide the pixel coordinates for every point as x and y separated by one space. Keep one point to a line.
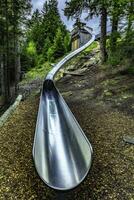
28 41
56 132
34 39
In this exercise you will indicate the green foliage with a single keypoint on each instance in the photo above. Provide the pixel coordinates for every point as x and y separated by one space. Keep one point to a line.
58 47
115 35
29 56
31 49
47 45
46 39
13 16
40 72
124 51
115 58
74 9
43 25
40 61
50 54
115 9
130 70
91 47
67 42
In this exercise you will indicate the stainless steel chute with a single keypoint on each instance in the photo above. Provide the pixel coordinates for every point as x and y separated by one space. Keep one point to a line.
61 151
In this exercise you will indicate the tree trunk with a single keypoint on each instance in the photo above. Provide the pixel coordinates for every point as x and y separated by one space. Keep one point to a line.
103 34
16 47
2 82
115 24
113 38
15 61
1 76
18 65
2 36
6 58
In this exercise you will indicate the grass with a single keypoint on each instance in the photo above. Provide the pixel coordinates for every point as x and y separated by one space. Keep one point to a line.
37 72
42 70
91 47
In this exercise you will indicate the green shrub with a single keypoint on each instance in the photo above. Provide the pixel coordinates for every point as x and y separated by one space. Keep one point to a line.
67 42
50 54
124 51
91 47
47 45
29 56
38 72
114 59
31 49
131 70
58 47
40 61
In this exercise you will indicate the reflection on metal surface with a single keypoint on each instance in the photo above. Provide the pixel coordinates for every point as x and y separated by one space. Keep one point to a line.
61 151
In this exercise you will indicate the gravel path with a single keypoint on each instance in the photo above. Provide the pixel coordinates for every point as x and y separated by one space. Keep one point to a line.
112 173
104 108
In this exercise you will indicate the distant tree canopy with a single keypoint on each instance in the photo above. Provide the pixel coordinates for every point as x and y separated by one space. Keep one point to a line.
48 33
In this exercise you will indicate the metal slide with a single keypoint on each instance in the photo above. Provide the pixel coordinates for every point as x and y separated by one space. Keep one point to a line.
61 151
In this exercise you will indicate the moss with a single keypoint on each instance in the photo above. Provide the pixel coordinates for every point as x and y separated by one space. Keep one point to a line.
107 93
91 47
109 82
127 95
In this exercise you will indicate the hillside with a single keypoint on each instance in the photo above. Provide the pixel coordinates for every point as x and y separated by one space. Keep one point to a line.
104 85
102 100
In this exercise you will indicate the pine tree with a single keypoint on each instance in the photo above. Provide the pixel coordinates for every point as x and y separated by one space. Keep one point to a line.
47 45
51 20
43 27
34 30
67 42
59 48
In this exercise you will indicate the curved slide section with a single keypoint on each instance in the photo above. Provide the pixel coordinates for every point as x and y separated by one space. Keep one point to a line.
61 151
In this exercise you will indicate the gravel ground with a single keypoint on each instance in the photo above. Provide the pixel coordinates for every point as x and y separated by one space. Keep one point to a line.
112 172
